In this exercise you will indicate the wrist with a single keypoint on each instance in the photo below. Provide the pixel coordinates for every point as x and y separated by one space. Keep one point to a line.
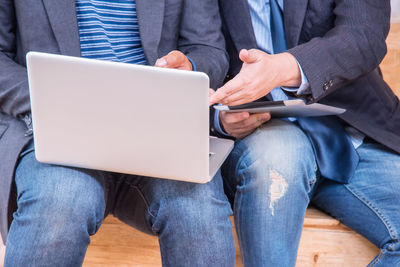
291 74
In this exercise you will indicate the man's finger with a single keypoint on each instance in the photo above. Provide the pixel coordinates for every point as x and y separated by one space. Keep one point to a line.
172 60
254 121
261 118
233 118
211 92
236 98
249 56
228 89
161 62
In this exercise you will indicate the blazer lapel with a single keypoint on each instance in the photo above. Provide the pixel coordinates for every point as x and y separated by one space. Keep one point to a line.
62 16
150 16
294 13
239 25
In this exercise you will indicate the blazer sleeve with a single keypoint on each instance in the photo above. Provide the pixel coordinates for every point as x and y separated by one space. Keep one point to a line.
353 47
14 89
201 39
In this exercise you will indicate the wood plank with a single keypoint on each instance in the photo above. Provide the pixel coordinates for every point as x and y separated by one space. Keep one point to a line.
117 244
317 219
334 248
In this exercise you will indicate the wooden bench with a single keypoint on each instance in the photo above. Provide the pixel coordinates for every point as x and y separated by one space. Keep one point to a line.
324 241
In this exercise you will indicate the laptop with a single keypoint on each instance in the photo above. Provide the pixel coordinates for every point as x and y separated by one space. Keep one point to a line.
123 118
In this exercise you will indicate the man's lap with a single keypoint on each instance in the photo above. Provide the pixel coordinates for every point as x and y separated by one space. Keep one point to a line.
162 198
368 203
60 207
287 145
135 200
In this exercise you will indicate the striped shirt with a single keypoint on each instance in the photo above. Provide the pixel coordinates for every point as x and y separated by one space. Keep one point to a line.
260 13
109 30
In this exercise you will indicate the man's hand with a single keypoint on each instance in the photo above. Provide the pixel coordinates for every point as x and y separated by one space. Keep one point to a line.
242 124
174 60
210 92
260 74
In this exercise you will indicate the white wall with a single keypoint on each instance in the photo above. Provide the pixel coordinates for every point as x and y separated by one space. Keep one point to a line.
395 10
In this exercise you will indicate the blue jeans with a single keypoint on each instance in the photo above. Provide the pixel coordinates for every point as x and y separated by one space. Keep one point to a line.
59 208
271 176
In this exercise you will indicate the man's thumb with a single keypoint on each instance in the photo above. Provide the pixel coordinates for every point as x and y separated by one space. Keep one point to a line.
248 56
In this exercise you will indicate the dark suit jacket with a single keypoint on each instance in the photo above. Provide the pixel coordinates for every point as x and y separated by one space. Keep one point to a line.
194 27
339 45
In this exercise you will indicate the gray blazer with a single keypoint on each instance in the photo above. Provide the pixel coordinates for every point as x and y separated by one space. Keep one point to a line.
194 27
339 45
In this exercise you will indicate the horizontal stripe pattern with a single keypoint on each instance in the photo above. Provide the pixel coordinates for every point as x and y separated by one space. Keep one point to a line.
109 30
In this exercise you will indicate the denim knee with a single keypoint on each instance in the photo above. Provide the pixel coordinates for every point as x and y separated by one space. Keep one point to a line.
185 206
58 197
192 223
277 147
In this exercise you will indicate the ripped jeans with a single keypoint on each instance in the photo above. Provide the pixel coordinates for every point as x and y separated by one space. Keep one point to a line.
271 176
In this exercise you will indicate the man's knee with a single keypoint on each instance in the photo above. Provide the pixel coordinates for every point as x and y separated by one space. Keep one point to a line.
198 215
275 160
194 206
54 195
278 146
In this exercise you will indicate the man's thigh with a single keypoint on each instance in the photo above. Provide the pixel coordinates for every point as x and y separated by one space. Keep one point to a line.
180 214
278 155
269 177
50 191
57 209
370 202
145 202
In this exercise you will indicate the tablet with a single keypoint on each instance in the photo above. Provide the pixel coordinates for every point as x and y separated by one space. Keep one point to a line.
286 108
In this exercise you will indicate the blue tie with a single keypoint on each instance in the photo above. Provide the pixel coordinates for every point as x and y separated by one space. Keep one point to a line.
335 154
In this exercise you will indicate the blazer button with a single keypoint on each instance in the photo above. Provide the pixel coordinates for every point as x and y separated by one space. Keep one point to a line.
330 83
326 86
